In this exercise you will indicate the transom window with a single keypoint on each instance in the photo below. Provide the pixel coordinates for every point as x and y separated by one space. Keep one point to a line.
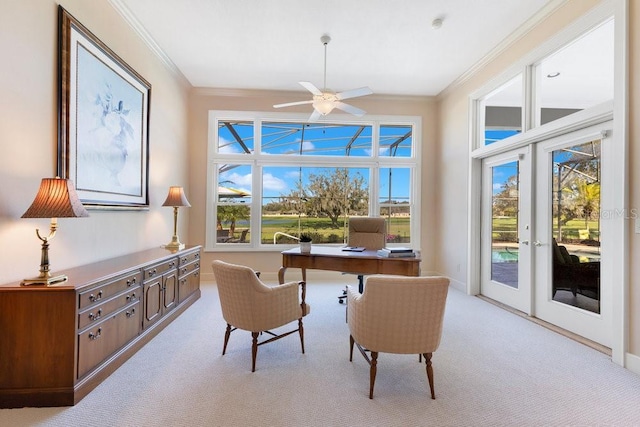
273 176
570 79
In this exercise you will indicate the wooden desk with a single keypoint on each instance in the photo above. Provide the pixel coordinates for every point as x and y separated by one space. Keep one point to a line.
335 259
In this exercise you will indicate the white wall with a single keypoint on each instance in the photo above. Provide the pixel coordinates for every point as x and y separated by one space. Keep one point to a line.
28 137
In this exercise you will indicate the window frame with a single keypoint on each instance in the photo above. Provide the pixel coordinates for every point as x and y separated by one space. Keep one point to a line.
258 161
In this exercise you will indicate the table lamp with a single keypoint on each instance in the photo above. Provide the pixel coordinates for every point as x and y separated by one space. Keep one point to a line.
176 199
56 198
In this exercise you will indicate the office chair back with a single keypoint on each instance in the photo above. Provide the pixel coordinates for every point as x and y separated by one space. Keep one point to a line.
368 232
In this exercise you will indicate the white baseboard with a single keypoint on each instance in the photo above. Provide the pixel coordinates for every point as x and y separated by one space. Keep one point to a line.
632 362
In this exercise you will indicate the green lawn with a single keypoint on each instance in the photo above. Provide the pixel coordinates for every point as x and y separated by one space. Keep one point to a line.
505 228
321 228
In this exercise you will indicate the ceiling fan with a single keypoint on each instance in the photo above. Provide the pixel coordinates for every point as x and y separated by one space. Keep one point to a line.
325 100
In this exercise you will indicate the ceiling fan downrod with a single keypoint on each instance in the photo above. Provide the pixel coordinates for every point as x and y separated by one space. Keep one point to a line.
325 39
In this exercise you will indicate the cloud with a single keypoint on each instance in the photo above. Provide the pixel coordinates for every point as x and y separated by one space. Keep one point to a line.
227 147
273 183
294 174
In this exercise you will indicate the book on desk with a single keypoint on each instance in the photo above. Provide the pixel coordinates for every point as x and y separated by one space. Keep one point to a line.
354 248
397 252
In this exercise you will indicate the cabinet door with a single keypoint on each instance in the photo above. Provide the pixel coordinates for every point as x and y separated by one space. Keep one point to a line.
153 301
189 284
170 289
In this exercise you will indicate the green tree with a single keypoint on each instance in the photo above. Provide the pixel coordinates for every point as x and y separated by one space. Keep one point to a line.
331 194
230 214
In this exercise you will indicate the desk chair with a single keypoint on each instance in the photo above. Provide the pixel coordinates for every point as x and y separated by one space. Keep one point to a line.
369 233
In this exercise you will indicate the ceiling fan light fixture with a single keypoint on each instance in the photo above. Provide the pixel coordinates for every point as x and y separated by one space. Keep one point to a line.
325 101
323 106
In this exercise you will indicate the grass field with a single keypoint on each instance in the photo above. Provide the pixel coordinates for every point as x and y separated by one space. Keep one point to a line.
505 229
323 231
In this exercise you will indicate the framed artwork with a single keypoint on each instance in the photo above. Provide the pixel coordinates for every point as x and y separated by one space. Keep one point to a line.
103 121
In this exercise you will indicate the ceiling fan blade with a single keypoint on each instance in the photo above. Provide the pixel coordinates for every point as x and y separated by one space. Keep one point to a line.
289 104
311 88
314 116
349 109
361 91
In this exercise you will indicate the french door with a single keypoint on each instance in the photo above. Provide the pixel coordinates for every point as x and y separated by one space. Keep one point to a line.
572 193
506 226
543 231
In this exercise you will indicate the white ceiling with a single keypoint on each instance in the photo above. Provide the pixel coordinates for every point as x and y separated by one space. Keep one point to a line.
388 45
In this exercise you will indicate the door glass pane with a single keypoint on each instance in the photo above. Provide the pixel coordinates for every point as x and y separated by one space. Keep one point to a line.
576 77
504 224
576 226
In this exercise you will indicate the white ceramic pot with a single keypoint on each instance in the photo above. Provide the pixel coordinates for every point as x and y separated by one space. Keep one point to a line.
305 247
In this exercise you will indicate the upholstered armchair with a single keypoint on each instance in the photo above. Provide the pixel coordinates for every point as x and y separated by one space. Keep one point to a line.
249 304
397 314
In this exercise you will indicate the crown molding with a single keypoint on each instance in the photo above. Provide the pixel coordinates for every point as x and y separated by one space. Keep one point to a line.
144 35
519 33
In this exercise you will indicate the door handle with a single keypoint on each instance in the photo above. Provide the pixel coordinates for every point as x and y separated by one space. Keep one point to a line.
537 243
525 242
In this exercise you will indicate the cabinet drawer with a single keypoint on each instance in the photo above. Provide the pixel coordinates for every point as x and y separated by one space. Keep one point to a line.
107 289
103 339
189 257
158 270
188 284
102 311
188 268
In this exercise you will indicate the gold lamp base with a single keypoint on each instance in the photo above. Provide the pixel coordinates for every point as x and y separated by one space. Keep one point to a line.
174 246
45 281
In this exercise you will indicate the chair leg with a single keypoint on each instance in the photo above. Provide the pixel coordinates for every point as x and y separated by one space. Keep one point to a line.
351 342
372 372
226 339
301 332
427 359
254 350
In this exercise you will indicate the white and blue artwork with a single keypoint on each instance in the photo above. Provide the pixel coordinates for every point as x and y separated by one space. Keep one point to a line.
109 129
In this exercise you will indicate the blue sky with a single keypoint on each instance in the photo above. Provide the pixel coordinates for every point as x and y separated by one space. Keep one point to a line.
319 140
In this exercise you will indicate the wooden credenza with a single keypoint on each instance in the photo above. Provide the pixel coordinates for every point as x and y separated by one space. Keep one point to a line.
58 343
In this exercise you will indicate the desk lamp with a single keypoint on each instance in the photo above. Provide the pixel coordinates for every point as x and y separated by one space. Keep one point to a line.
175 199
56 198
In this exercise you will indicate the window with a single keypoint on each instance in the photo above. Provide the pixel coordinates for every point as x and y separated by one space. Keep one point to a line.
574 77
503 111
570 80
274 176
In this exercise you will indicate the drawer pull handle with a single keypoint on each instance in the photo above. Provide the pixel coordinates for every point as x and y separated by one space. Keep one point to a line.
153 272
131 297
130 313
197 265
94 298
131 282
95 336
96 316
172 264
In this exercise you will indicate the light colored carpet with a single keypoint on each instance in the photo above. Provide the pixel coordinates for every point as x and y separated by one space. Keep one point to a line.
493 368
